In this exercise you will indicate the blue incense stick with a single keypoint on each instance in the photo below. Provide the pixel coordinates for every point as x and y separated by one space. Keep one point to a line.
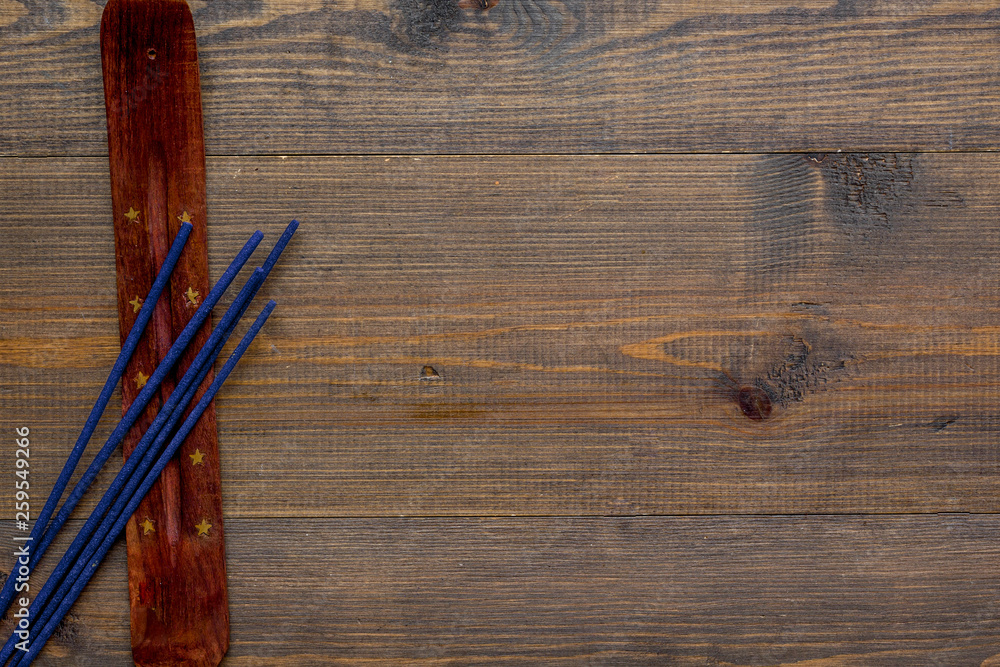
88 568
139 404
38 604
128 348
279 247
141 459
157 433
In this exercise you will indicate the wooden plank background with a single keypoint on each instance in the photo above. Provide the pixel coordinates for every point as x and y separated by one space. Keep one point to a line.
422 76
816 216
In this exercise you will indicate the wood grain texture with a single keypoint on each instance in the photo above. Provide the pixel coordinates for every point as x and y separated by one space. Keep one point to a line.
423 76
829 591
563 338
591 321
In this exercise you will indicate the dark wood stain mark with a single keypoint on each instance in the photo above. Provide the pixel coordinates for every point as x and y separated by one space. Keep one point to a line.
68 630
867 191
943 422
809 307
944 199
805 368
425 24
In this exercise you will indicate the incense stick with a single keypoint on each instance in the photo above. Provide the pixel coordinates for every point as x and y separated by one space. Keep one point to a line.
279 247
87 569
152 440
151 387
154 437
128 348
147 449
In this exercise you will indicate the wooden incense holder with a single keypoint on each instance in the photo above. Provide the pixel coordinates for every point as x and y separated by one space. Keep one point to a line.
176 552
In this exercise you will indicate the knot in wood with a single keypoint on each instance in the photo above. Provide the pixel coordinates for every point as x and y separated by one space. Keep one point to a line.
754 402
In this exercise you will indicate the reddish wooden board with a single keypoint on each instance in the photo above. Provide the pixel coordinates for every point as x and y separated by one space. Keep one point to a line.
176 550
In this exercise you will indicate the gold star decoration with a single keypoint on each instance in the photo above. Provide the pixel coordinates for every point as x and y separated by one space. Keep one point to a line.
147 527
136 304
192 296
184 217
203 527
140 380
132 214
197 457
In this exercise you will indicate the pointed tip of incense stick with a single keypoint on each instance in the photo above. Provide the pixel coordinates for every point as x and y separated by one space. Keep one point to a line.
279 247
